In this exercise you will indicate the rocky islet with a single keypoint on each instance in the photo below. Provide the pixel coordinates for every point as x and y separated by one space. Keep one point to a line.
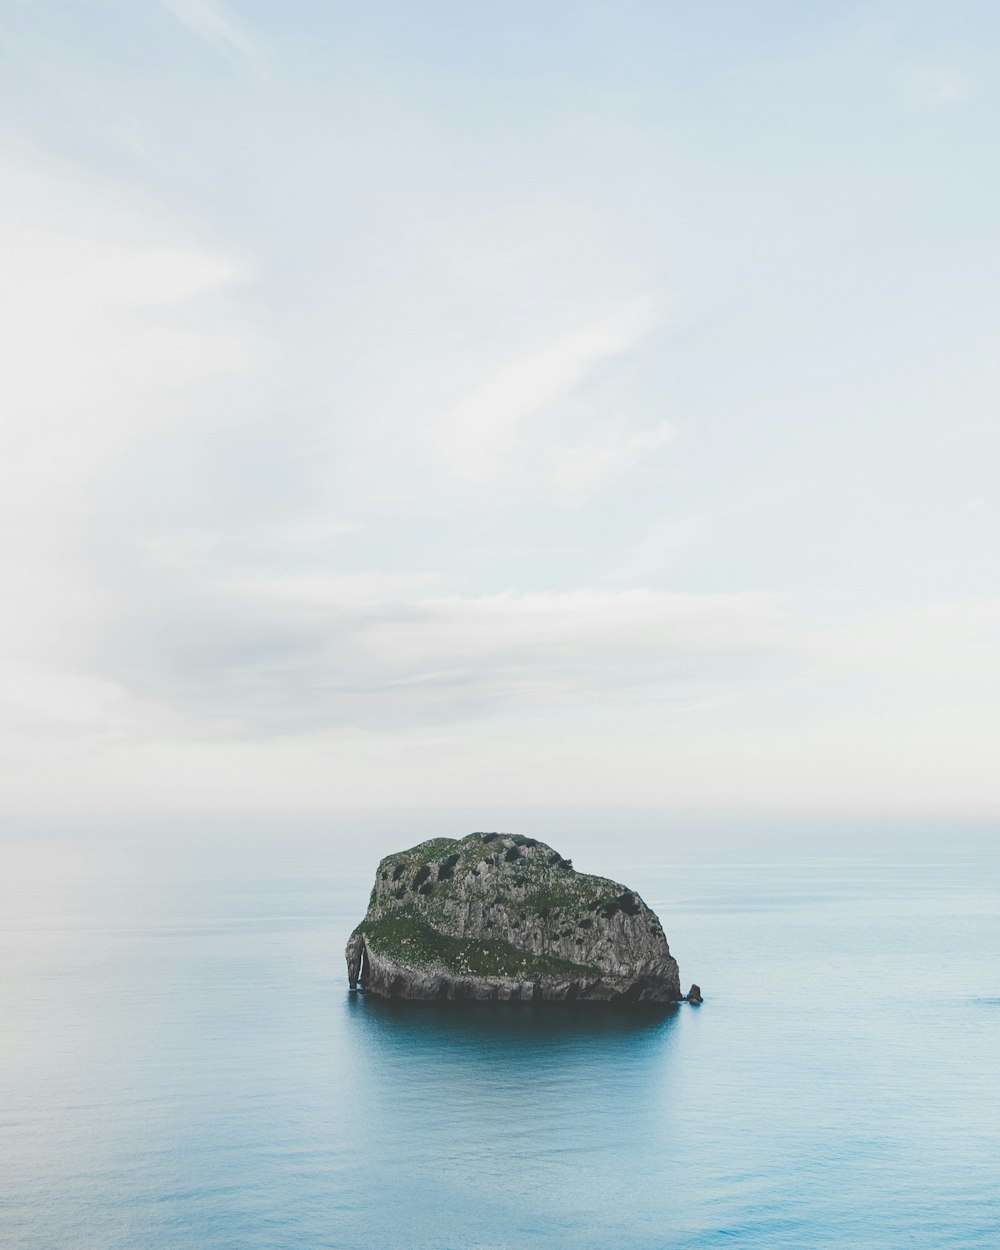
503 917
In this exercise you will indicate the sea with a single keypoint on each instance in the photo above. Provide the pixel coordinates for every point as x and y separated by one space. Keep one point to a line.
183 1066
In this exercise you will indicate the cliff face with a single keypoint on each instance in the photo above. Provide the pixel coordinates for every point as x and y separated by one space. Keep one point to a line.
499 916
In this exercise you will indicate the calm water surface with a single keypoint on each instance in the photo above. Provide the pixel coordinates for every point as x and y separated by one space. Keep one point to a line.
182 1067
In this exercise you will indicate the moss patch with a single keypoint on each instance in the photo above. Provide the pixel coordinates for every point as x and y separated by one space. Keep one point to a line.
406 938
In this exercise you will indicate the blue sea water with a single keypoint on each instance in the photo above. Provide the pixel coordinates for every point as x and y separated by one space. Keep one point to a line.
182 1066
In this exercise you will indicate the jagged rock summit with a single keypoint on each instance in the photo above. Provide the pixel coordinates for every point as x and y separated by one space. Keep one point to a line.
497 916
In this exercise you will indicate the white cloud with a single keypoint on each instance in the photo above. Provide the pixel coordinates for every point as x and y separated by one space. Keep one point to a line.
480 434
210 21
115 327
261 656
576 472
34 698
937 86
950 644
583 626
278 560
106 321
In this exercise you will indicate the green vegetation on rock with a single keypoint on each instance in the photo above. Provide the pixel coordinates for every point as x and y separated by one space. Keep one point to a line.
405 938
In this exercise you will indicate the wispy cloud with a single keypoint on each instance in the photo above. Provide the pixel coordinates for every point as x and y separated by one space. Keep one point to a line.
210 21
440 474
937 86
478 436
576 472
954 645
257 656
116 328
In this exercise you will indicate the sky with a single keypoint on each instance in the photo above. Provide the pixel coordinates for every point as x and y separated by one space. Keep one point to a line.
428 406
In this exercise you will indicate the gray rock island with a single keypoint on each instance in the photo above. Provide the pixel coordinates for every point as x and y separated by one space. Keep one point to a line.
501 917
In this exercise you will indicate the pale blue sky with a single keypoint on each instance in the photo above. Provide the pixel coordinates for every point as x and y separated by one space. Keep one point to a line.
500 404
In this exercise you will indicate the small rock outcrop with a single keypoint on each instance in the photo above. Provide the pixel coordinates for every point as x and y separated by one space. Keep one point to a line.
694 995
496 916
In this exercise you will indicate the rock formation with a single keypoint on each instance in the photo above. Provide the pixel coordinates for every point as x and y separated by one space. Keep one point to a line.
495 916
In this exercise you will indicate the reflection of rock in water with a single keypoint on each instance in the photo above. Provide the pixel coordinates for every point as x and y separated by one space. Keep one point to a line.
496 917
509 1024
